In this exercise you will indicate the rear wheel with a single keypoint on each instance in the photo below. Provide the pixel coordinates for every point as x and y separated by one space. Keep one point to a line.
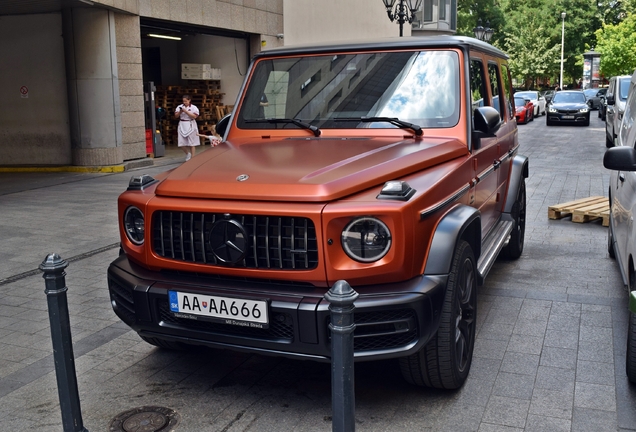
608 142
445 361
514 249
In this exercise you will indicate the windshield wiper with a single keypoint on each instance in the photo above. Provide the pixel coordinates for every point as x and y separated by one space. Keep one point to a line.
297 122
393 120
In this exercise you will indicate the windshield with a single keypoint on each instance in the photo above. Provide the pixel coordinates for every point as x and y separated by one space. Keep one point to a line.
624 88
519 102
567 97
527 95
419 87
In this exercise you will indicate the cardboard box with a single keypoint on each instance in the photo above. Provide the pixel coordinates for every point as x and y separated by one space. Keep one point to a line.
195 67
215 73
196 75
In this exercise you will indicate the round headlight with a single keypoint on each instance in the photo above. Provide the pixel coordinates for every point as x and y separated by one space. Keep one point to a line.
134 225
366 239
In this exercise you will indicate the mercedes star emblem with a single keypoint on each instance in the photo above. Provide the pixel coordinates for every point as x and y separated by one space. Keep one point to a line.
242 177
228 240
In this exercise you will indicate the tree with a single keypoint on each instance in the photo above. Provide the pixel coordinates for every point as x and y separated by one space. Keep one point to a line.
617 44
470 11
531 57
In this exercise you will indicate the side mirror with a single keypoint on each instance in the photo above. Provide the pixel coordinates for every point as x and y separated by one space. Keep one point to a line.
610 99
221 126
487 120
620 158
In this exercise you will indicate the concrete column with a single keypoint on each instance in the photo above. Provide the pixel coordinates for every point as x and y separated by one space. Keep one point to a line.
93 87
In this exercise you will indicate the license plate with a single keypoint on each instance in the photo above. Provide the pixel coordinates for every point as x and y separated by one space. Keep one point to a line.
567 117
227 310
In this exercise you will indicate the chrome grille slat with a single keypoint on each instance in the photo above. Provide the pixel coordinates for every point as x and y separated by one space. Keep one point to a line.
203 238
171 236
163 248
194 258
280 243
267 241
276 242
293 244
181 236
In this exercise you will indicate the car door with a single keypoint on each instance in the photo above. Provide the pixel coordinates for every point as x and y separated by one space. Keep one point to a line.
623 194
486 198
610 110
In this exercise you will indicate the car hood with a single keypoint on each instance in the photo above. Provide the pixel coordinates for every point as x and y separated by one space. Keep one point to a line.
303 169
569 105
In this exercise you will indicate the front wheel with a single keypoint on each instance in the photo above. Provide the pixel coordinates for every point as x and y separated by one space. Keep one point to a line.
445 361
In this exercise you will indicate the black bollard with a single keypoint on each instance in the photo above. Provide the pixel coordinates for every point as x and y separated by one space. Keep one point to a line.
343 404
55 288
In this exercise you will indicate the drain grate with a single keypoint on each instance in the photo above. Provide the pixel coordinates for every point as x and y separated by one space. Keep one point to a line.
146 419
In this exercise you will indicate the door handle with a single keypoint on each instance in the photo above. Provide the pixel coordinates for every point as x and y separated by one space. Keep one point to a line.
621 177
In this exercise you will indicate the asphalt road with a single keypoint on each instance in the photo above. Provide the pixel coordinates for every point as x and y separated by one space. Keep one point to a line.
549 354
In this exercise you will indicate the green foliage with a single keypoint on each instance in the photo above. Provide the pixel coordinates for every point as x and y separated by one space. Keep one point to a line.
534 56
617 44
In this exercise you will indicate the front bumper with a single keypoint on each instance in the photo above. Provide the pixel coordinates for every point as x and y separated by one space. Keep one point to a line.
577 117
392 320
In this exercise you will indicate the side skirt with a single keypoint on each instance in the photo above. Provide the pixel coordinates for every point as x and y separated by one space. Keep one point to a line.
492 244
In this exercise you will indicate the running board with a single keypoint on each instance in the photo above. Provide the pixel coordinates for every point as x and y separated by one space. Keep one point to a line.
492 245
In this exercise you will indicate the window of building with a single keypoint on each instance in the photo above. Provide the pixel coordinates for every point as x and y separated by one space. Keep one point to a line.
427 11
442 10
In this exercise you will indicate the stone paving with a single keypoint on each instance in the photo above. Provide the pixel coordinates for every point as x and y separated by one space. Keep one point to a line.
549 354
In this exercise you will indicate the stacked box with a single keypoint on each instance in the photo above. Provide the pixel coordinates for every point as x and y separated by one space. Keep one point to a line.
195 67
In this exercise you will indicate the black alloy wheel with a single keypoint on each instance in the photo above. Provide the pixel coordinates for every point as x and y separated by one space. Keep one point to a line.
445 361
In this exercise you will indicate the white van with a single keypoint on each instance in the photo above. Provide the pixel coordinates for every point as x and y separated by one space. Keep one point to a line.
616 97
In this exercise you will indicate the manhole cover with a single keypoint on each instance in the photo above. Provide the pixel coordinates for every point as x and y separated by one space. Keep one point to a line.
146 419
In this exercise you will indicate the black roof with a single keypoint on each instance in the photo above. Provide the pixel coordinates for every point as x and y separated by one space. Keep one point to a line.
414 42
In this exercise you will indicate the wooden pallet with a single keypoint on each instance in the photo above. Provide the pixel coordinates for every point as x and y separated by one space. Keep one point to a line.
582 210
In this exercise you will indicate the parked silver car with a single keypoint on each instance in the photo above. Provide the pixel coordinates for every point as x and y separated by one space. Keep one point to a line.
615 99
621 239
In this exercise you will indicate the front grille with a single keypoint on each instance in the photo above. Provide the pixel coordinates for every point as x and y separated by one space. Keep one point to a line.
273 242
281 326
564 111
124 303
381 330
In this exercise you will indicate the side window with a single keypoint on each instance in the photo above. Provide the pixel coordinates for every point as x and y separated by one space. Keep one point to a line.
505 77
495 86
477 84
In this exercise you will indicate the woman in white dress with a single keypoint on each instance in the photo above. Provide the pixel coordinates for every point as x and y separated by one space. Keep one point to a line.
187 130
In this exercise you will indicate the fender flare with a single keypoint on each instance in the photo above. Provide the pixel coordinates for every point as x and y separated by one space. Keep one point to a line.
518 172
460 220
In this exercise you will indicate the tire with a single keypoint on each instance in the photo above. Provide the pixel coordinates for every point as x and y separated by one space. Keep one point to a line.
587 122
514 249
548 122
162 343
608 142
445 361
630 355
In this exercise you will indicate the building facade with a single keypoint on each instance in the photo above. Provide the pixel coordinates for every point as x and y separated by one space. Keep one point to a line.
74 70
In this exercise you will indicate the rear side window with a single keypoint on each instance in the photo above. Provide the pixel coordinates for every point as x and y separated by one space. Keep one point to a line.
478 84
495 86
628 122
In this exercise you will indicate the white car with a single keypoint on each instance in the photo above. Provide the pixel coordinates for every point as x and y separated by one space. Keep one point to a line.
621 236
537 100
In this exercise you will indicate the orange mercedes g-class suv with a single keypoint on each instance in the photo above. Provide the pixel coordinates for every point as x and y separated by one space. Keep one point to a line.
390 164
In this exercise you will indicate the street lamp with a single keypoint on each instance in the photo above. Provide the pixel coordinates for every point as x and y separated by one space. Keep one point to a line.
483 33
562 42
402 13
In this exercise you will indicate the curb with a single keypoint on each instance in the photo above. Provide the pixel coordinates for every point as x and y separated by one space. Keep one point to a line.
82 169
